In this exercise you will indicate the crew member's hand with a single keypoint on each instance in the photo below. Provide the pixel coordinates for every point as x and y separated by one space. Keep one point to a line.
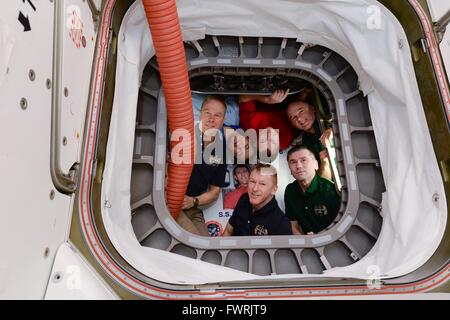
323 155
326 138
188 203
277 97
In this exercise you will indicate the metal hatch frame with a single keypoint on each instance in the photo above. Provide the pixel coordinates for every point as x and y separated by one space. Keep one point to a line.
433 274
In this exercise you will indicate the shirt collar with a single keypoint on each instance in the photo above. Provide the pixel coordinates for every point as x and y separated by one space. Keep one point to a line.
268 208
301 134
312 187
316 127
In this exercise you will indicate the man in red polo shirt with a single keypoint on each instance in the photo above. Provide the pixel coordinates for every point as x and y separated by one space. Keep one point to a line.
261 112
241 175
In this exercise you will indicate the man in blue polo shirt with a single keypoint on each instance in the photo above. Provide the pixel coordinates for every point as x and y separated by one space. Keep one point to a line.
257 212
208 176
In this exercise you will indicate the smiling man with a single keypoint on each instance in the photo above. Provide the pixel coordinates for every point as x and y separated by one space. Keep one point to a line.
312 202
207 177
302 116
257 212
241 175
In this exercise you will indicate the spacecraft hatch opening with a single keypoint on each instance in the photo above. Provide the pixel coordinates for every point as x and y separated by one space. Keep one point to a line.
359 97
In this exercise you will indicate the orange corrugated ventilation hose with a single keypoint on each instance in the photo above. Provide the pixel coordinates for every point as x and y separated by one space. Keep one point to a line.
164 24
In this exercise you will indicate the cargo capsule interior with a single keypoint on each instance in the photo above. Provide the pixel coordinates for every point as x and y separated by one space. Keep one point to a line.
363 160
279 256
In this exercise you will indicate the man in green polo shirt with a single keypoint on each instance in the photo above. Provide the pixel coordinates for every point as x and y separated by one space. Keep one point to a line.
312 202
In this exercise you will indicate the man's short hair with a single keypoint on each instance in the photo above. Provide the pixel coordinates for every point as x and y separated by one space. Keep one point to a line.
307 103
266 169
299 147
216 97
240 166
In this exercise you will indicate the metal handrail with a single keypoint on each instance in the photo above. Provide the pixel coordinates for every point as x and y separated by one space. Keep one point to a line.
63 182
442 23
94 11
327 117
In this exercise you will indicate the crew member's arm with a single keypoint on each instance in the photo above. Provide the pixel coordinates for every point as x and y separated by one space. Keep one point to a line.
250 116
327 138
296 230
277 97
325 166
228 232
203 199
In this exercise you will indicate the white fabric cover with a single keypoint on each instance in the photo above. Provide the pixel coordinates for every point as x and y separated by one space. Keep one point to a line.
7 39
413 224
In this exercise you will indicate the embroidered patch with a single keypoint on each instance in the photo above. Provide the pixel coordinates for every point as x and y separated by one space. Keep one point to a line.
215 229
320 210
261 230
213 160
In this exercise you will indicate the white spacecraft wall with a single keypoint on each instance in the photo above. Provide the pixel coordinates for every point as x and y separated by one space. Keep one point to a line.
73 278
445 49
34 224
438 8
79 38
413 223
